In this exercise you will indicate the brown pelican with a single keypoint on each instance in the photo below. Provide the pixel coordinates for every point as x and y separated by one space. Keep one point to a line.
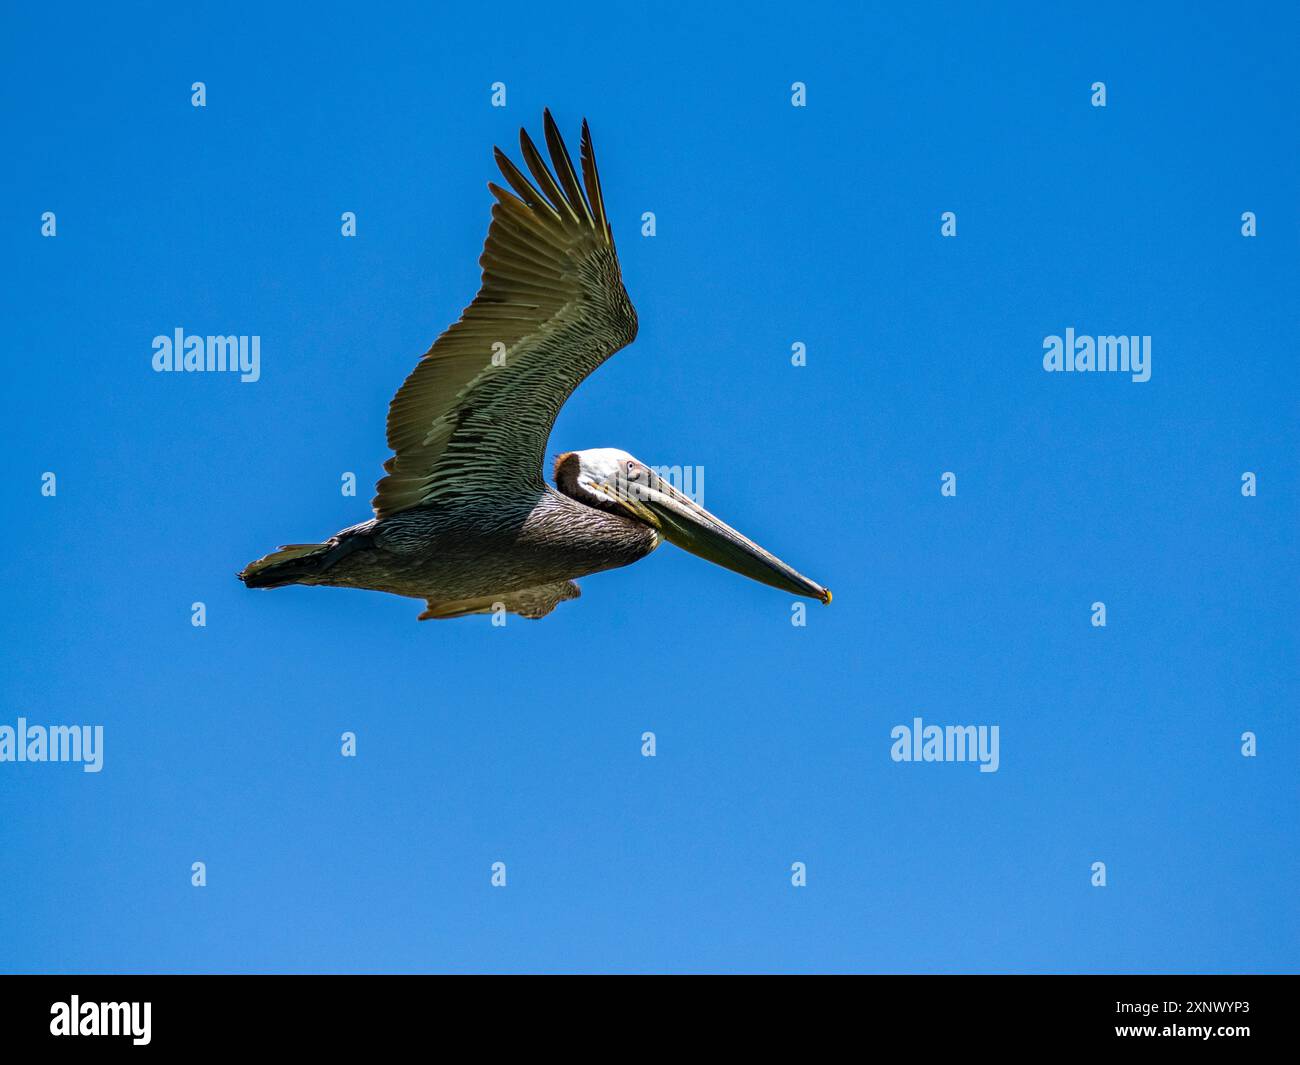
464 518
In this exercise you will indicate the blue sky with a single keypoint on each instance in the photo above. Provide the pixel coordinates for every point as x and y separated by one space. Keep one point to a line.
775 224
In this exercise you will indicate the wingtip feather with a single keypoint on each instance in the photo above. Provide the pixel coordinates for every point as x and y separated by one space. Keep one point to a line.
564 170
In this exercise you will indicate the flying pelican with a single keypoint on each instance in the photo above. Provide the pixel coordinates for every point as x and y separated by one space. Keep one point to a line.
463 518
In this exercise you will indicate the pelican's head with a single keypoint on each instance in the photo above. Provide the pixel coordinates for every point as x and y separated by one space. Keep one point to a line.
613 480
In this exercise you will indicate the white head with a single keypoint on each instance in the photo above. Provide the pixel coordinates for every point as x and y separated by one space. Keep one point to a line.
588 476
612 480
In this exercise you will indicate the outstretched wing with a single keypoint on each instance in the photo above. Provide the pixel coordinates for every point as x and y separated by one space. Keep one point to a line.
475 413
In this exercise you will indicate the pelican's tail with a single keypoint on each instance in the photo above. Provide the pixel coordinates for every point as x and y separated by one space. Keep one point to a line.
286 566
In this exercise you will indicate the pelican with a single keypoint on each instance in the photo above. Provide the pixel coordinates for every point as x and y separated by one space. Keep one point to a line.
463 517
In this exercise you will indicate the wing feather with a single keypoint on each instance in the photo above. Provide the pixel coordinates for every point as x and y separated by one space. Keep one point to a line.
591 178
545 182
475 413
564 167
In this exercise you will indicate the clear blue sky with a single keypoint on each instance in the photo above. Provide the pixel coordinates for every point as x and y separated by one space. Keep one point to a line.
775 224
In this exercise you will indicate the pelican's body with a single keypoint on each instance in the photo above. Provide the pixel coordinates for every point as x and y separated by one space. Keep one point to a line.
464 519
522 551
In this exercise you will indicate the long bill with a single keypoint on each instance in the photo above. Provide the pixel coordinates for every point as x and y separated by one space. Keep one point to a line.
688 525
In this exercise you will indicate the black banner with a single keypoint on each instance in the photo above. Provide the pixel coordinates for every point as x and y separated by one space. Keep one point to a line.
168 1014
